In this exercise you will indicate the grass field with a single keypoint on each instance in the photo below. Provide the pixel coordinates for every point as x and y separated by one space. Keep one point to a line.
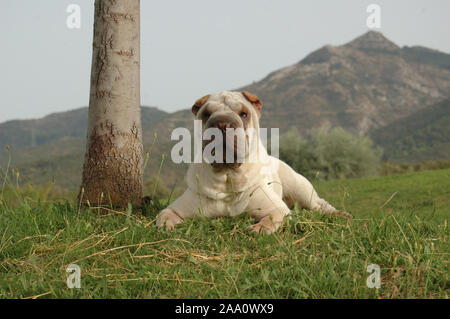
400 223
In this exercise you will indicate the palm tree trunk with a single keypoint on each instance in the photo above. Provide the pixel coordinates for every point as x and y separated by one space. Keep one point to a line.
113 165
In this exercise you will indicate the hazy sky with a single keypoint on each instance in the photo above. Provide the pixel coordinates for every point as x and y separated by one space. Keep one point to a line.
189 48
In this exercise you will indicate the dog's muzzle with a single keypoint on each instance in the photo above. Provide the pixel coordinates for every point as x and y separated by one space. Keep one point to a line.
229 127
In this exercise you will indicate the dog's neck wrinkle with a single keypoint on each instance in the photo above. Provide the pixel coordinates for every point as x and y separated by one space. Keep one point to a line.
202 179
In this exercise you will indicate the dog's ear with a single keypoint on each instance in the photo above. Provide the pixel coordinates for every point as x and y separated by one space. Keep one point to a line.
199 103
253 99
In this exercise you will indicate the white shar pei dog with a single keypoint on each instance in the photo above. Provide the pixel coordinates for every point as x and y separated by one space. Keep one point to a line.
252 181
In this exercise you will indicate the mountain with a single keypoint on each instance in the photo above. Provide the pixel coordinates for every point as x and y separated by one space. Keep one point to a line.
362 85
423 135
369 86
25 133
52 148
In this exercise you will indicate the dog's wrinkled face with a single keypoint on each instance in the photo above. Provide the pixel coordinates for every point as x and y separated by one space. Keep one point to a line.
230 114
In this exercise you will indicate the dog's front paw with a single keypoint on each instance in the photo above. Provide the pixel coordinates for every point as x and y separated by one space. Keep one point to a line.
169 218
264 226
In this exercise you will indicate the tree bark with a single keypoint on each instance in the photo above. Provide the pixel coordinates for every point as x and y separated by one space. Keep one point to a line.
113 164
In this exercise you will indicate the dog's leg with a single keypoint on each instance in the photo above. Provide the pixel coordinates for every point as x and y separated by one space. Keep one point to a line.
183 207
297 188
268 209
168 218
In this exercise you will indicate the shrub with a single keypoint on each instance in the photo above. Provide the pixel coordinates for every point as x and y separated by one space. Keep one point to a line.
330 153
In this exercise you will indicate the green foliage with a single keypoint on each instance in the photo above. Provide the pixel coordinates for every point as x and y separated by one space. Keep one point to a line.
424 135
330 154
401 228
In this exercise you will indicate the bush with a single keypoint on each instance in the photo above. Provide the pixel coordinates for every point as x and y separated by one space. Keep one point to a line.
330 153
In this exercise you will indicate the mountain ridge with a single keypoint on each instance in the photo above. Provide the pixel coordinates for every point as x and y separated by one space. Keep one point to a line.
365 85
356 85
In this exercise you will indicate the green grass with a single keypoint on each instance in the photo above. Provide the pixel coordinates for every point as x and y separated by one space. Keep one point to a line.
400 223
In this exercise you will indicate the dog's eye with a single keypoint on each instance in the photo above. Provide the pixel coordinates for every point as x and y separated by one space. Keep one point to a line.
206 115
243 115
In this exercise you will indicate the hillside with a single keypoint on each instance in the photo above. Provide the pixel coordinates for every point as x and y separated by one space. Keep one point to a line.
28 133
364 86
424 135
52 149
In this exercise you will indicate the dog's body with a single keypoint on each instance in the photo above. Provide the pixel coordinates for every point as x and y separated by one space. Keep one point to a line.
256 186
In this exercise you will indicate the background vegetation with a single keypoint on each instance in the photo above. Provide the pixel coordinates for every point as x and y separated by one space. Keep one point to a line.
330 153
421 136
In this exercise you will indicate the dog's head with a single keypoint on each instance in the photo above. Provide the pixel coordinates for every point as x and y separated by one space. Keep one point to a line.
231 119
